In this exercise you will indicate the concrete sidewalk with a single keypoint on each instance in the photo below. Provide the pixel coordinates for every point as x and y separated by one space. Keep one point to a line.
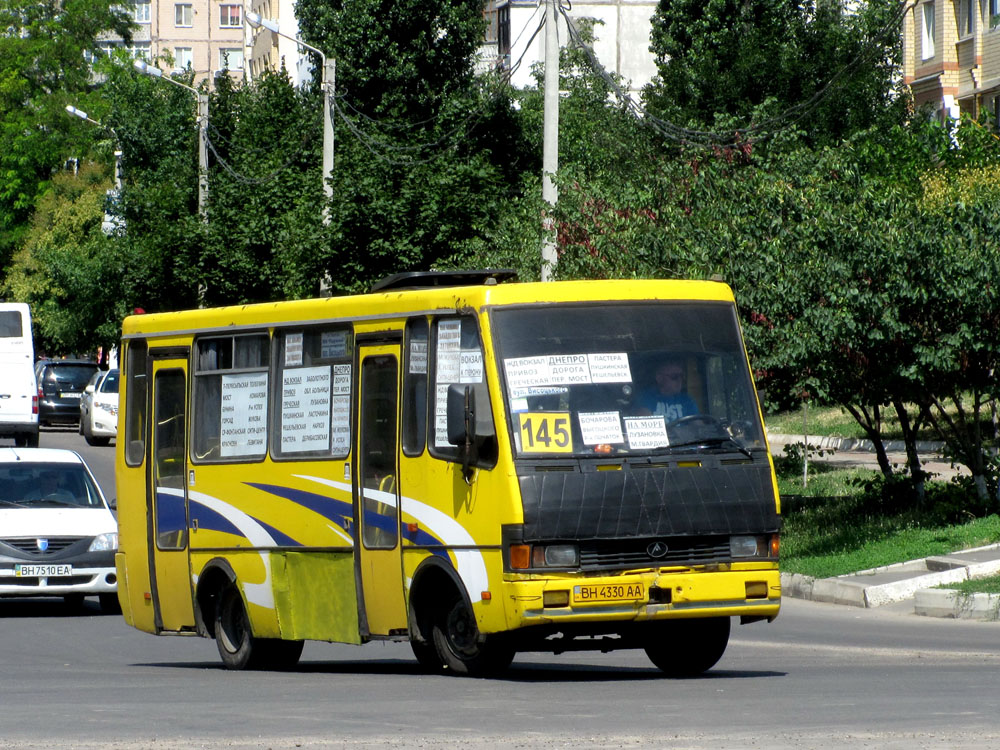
910 581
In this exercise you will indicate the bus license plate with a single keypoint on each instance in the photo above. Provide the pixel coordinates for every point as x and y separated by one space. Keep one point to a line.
42 571
609 592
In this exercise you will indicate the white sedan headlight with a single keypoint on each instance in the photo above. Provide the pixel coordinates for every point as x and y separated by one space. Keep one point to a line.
105 542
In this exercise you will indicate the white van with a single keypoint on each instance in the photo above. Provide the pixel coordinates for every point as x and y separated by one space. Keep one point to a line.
58 536
18 390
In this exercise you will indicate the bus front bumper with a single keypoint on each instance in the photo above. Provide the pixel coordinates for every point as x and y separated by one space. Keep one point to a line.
653 595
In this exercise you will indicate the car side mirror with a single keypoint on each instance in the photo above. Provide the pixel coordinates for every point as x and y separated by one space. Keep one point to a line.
89 389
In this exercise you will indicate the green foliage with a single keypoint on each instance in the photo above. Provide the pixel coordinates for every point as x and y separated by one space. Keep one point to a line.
42 68
722 62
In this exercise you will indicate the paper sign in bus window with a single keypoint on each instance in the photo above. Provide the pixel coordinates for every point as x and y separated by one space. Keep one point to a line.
305 409
601 427
293 350
609 367
645 433
418 356
471 366
333 344
545 432
244 415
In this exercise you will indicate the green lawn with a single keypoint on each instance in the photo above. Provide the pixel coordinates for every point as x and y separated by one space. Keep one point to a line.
833 526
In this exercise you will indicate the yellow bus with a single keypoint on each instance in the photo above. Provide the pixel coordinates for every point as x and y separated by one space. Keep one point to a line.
478 466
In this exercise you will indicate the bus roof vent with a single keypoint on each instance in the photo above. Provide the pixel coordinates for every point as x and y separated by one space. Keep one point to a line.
427 279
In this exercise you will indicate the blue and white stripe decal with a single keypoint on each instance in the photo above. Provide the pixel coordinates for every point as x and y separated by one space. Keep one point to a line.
470 562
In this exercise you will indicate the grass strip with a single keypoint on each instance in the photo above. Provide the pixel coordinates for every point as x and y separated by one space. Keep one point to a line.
989 585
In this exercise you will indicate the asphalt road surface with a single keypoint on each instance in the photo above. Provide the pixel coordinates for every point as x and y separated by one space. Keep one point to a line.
820 676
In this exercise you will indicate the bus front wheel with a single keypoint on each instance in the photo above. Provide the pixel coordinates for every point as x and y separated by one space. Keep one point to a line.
686 648
460 647
238 647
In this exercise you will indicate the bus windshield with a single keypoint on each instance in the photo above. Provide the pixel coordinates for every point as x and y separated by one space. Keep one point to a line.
629 378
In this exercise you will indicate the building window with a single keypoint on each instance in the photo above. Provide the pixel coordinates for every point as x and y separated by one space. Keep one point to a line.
968 20
230 16
231 58
927 46
183 59
183 14
994 13
140 12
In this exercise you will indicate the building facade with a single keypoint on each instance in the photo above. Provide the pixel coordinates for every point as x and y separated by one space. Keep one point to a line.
206 36
951 56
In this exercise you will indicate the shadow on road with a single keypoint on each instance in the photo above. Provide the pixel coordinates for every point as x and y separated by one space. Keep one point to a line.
50 607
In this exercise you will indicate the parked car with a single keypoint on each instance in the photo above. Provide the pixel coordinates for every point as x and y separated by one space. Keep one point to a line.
58 535
18 391
60 386
99 408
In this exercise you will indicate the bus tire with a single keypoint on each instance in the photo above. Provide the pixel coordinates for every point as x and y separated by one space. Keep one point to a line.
427 655
687 648
462 650
238 647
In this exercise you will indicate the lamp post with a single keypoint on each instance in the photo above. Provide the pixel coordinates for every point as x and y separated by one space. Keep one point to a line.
550 137
143 67
327 81
118 153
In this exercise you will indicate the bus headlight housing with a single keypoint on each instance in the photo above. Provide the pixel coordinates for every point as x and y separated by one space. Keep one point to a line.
743 546
525 556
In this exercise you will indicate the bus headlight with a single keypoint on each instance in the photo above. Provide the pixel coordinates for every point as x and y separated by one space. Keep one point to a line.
753 546
104 542
555 556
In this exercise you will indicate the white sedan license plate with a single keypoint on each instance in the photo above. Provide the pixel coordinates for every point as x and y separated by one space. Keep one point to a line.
42 571
615 592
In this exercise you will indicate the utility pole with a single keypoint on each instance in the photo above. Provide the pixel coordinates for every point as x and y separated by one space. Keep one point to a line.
550 137
203 156
329 81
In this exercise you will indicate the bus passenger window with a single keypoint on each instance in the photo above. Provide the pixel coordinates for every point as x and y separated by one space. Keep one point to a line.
135 416
415 388
230 398
312 393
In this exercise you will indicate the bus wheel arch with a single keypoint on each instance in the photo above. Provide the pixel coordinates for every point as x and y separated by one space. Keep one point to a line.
443 617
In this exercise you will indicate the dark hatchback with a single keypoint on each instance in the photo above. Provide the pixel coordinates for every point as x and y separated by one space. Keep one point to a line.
61 383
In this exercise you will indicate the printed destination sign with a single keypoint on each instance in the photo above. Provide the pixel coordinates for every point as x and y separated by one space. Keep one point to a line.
441 416
645 433
341 380
418 356
293 350
341 425
305 409
471 366
566 369
599 427
333 344
244 415
449 351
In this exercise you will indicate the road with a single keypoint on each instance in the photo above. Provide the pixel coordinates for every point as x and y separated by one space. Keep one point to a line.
821 676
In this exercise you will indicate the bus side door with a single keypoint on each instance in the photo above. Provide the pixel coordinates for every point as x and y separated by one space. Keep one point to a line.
377 490
167 496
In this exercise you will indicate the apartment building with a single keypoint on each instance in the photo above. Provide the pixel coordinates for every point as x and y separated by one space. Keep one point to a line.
206 36
951 56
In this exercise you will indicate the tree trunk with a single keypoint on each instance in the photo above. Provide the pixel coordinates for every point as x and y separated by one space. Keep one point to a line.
909 429
872 425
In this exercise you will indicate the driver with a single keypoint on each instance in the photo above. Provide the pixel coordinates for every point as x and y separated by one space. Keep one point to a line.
669 397
49 488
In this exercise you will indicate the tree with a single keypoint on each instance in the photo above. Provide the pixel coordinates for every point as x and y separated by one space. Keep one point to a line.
727 63
43 68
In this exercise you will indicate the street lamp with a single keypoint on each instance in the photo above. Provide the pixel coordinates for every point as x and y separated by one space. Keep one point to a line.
143 67
118 154
329 74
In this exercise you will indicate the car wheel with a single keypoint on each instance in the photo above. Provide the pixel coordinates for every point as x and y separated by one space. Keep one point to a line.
33 440
460 647
20 441
686 648
109 603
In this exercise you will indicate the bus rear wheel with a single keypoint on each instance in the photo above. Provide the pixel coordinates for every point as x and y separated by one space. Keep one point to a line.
687 648
462 650
238 647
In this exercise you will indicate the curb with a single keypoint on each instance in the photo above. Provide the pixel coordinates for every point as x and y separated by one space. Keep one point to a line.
956 605
908 580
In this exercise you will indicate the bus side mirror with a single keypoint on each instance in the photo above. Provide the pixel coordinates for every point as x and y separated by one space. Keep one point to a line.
462 424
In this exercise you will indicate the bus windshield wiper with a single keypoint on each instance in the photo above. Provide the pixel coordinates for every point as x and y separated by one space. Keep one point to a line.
716 442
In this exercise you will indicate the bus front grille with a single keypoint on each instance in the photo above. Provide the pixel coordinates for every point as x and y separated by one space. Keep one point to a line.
631 553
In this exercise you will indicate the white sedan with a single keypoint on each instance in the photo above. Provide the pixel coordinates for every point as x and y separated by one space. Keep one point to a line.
58 536
99 408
